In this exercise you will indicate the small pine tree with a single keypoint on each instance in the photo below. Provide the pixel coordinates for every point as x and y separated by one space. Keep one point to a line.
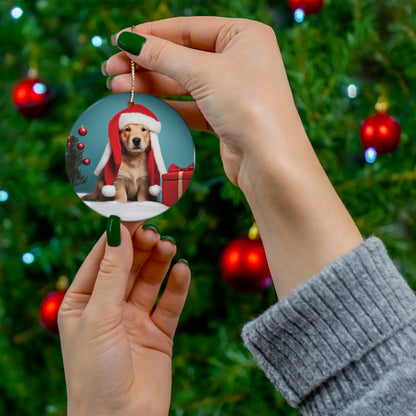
74 158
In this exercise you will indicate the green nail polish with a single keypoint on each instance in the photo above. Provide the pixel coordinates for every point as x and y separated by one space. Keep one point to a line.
169 238
103 69
131 42
114 39
184 261
150 227
108 82
113 231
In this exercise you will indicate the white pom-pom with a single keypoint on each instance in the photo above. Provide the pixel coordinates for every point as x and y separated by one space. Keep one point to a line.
108 191
155 190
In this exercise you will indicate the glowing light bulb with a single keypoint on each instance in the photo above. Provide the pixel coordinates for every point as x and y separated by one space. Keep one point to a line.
16 12
352 91
28 258
299 15
39 88
4 195
370 155
97 41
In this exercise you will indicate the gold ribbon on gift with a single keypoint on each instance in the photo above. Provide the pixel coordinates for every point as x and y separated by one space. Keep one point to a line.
180 174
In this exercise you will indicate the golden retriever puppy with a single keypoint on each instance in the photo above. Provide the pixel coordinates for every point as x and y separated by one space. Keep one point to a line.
132 180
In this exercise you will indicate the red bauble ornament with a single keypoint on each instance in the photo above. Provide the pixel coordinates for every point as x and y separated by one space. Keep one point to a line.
86 161
82 131
32 98
49 309
244 266
381 132
80 146
308 6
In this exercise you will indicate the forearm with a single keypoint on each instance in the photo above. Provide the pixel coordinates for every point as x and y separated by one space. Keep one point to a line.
303 223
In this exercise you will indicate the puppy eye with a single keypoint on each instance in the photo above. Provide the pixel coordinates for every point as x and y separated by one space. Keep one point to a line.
143 129
128 128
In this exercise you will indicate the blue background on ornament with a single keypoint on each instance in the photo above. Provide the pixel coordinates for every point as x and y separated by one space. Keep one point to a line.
175 139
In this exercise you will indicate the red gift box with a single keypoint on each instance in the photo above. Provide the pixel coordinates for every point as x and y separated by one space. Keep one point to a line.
175 182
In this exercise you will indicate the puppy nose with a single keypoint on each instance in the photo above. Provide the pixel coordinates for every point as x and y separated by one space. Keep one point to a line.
136 141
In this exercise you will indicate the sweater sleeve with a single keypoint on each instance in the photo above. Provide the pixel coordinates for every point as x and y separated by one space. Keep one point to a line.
344 343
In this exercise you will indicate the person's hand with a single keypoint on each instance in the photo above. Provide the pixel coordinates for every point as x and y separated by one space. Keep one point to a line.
234 70
116 347
231 67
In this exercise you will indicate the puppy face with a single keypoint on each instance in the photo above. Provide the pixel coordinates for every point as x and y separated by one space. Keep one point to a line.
135 138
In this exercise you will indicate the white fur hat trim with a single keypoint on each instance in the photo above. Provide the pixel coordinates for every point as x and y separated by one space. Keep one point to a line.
104 159
108 191
157 153
138 118
155 190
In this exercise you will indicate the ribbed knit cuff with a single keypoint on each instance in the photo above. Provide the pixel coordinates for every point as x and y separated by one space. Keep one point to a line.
338 332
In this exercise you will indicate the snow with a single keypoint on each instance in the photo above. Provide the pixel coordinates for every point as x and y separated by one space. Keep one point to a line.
127 211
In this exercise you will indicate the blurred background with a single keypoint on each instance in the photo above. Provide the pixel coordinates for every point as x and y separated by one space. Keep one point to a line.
344 59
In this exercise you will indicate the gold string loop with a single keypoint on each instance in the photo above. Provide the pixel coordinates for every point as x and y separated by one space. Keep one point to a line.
133 75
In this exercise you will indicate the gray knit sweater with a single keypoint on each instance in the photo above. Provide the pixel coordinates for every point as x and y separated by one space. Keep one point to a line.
345 342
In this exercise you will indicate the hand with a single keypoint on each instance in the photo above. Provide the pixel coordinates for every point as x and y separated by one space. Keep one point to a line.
234 71
117 353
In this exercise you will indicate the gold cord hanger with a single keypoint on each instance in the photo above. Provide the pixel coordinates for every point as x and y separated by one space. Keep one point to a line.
133 75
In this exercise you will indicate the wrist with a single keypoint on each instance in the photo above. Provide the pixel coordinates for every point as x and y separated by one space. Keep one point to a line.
302 222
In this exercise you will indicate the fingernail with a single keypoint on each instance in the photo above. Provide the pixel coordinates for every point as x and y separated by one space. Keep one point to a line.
131 42
168 238
184 261
113 231
150 227
114 39
103 69
108 82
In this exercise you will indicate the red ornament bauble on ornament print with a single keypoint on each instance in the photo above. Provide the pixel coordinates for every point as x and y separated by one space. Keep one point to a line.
381 132
82 131
244 266
49 310
308 6
32 98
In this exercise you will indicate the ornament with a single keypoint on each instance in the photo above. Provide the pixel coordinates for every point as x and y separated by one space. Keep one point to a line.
307 6
380 132
139 159
32 98
49 309
244 266
148 135
82 131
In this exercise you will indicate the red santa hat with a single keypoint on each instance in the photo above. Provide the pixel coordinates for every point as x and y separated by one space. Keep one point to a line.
111 159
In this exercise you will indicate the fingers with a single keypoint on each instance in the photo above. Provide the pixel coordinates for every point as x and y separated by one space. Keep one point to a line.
114 271
81 288
167 312
191 114
144 239
149 83
133 226
194 32
152 273
161 56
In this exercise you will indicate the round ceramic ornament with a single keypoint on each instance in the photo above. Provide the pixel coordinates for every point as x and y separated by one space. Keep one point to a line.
130 159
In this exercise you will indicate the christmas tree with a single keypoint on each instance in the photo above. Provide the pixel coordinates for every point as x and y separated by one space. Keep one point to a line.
341 61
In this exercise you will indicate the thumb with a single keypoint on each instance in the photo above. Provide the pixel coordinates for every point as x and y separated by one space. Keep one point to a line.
110 286
182 64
